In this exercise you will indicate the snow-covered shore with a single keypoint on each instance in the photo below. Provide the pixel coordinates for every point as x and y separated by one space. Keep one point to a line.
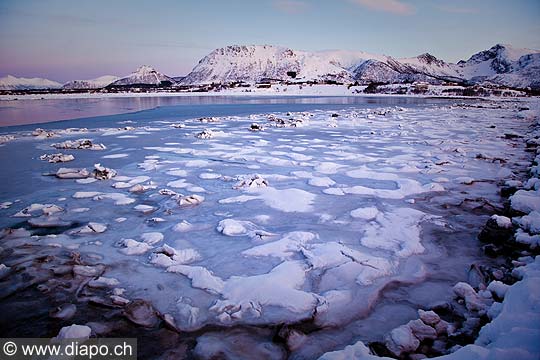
514 329
275 90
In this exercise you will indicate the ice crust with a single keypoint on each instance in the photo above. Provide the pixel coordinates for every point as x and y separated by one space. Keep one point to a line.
334 215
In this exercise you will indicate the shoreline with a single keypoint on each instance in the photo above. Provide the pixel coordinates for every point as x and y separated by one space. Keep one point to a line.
498 313
40 109
285 91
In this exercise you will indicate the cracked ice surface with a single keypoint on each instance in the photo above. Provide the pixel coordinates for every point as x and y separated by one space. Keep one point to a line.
341 213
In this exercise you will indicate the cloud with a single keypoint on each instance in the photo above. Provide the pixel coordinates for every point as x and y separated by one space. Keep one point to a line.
457 9
391 6
290 6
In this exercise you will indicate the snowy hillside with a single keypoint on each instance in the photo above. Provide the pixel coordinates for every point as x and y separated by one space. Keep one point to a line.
502 64
14 83
254 63
144 75
425 64
96 83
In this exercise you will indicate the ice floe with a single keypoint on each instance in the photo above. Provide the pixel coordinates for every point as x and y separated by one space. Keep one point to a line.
70 173
85 144
56 158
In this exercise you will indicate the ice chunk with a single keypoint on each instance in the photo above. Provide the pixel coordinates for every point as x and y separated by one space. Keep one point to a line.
473 301
209 176
85 181
115 156
85 194
503 222
145 209
74 332
70 173
177 172
200 277
118 198
526 201
401 340
56 158
79 144
44 209
190 200
133 247
524 238
498 288
397 230
324 181
253 181
530 222
328 167
287 200
152 238
178 184
251 294
92 228
405 187
167 256
183 226
284 248
231 227
366 213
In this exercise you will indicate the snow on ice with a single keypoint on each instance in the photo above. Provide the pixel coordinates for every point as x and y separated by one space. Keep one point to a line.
332 215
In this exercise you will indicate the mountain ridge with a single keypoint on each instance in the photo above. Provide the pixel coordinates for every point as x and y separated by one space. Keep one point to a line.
10 82
501 65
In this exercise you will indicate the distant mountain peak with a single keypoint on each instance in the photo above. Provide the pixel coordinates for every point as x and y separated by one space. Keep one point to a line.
429 59
145 69
145 75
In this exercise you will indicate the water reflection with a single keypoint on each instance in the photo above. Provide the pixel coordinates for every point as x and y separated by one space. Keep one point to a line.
21 112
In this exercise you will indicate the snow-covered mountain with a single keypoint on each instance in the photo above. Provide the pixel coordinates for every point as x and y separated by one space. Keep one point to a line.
502 64
146 76
15 83
254 63
96 83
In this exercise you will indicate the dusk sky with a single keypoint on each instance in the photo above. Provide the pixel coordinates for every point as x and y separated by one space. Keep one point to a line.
64 40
